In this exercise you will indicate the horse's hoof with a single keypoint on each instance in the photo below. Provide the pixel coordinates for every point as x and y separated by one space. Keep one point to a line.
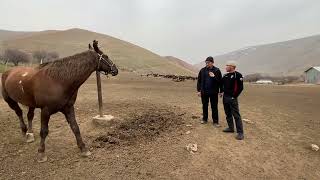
30 137
42 157
86 153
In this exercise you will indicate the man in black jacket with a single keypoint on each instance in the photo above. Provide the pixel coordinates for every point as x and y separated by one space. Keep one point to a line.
208 87
232 86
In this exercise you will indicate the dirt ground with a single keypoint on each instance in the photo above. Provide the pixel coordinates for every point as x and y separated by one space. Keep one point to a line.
149 142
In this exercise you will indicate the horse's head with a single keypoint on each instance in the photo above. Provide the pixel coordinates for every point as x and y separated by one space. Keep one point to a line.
104 63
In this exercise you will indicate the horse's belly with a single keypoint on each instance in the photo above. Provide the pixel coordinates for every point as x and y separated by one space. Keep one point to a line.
48 93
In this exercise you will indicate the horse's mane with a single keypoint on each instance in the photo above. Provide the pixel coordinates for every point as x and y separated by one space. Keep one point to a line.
69 67
61 61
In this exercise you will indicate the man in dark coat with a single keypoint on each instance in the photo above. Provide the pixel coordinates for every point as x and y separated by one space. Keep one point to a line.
208 87
232 86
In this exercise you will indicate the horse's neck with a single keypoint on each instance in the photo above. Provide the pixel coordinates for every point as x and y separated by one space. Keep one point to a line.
73 72
80 77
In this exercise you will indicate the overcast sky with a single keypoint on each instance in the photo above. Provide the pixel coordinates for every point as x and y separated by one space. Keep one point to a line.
188 29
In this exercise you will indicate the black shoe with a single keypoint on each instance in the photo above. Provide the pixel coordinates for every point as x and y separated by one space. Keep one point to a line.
240 136
228 130
204 122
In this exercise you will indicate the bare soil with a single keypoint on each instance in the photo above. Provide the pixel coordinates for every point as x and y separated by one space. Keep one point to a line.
150 139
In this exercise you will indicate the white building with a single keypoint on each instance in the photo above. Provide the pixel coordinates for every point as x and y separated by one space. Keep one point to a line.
264 81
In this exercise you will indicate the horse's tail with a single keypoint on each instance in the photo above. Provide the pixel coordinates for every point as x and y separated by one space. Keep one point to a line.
3 81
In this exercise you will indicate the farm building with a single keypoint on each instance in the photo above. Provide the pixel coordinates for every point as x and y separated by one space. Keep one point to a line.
264 81
312 75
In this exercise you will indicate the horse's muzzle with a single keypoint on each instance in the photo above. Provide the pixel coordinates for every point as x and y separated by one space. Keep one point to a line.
114 71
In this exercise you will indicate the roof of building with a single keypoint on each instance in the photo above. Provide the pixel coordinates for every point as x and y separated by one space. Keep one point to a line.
314 67
264 81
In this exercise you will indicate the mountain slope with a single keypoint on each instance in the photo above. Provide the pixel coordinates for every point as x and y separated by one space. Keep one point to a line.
6 35
124 54
182 63
282 58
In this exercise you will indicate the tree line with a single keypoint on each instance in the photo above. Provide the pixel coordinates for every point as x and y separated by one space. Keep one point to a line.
16 56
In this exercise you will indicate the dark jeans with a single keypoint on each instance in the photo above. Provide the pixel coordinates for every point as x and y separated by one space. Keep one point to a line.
231 108
214 106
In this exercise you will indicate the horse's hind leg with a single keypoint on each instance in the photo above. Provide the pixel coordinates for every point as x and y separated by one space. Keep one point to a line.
30 136
14 105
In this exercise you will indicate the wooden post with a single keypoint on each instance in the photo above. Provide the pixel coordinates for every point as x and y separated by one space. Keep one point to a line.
99 93
101 120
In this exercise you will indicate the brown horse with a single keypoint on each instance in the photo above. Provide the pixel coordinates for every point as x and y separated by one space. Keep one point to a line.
53 88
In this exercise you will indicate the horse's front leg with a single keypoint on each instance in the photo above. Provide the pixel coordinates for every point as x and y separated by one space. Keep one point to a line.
30 136
70 116
45 116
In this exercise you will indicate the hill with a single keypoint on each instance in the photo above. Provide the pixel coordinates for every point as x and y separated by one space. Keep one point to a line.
182 63
282 58
124 54
6 35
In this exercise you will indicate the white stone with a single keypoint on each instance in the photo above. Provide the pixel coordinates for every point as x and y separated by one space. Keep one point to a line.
247 121
104 117
105 120
192 148
314 147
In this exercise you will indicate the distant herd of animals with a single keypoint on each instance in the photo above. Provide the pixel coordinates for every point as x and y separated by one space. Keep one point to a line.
176 78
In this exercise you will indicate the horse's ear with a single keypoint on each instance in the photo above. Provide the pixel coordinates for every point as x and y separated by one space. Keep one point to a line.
90 47
96 48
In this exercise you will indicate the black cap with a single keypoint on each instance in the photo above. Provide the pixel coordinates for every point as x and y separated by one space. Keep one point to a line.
210 59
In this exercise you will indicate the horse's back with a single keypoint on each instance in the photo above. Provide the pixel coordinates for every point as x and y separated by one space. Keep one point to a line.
17 75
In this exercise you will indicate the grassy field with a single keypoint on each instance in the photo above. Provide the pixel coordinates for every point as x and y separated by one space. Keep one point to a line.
4 67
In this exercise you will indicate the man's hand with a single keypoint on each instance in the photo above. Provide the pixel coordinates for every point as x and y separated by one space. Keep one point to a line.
221 94
199 94
211 74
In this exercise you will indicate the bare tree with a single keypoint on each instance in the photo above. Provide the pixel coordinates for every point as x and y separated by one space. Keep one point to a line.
39 55
16 56
51 56
44 56
253 77
2 59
